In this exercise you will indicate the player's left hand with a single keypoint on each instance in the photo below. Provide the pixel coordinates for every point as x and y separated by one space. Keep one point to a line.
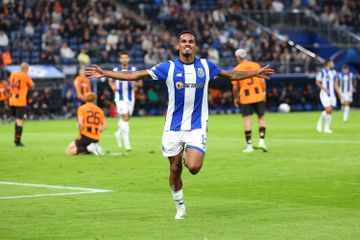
265 72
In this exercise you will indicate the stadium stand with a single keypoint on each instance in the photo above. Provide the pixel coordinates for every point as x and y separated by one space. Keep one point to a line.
73 33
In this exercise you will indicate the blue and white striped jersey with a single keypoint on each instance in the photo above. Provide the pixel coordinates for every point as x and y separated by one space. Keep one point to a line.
188 92
327 78
125 89
346 82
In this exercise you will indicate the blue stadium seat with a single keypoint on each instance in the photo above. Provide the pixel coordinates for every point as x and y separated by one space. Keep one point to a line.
95 60
73 41
35 60
16 54
15 59
25 59
308 107
35 54
298 107
25 54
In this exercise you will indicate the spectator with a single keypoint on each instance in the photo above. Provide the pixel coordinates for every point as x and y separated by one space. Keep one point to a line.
49 56
4 40
219 15
69 104
105 101
277 6
213 55
149 58
48 103
29 29
27 45
47 40
146 42
35 105
273 97
6 58
112 41
83 57
66 52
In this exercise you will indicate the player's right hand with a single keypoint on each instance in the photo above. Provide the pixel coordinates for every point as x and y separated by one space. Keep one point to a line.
94 72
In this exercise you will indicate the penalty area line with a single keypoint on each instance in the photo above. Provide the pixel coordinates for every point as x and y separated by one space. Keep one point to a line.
80 189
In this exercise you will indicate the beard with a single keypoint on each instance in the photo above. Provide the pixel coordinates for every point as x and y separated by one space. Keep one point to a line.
187 55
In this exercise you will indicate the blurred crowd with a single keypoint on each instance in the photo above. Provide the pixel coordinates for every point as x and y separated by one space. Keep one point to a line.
83 32
67 31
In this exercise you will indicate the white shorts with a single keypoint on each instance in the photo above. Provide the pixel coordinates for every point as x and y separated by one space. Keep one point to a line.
125 107
327 101
173 142
346 97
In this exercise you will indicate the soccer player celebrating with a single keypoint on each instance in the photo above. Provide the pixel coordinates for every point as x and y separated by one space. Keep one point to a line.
327 81
91 122
124 92
251 94
347 89
187 79
82 86
20 82
4 95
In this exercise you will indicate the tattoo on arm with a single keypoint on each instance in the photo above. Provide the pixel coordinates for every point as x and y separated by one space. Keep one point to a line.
234 75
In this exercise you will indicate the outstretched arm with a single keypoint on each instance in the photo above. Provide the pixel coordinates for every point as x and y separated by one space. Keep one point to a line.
97 72
233 75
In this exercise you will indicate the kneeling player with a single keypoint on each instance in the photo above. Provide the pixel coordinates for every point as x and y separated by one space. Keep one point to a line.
91 122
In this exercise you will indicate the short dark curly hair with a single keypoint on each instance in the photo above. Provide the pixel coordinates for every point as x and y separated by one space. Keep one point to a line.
187 32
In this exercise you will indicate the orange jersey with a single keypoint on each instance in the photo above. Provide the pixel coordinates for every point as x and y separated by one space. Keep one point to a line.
82 85
19 86
251 89
4 89
92 117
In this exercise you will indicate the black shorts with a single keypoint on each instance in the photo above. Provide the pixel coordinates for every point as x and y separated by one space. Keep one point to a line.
84 141
249 109
2 104
18 112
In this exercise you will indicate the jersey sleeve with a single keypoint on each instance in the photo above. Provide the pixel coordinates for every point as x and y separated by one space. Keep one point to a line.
160 71
214 70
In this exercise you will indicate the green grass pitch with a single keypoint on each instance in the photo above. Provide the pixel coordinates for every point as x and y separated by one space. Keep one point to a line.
306 187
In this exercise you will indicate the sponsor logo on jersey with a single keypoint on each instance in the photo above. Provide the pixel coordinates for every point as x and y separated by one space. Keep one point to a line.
179 85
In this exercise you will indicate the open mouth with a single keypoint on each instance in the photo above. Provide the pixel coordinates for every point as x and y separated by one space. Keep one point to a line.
187 48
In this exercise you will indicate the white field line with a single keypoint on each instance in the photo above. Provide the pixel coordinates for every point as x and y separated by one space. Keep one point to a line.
83 190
